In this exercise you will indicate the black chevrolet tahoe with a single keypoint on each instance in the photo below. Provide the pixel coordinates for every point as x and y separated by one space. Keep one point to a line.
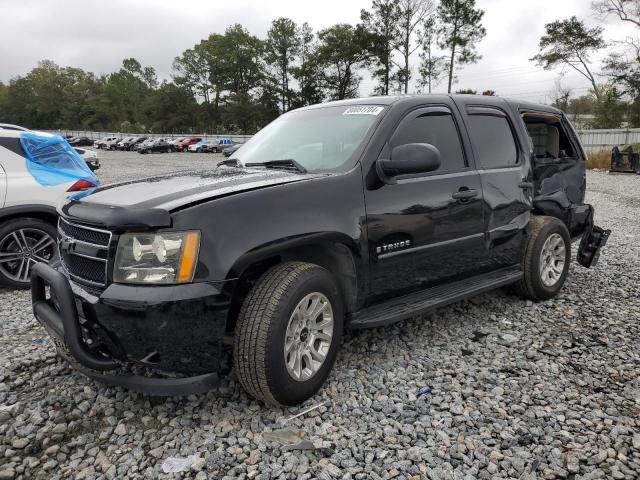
350 214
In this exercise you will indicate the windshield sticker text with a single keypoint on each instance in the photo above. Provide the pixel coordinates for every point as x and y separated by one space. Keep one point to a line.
363 110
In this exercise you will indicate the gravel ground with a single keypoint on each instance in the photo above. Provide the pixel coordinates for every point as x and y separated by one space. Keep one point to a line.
518 389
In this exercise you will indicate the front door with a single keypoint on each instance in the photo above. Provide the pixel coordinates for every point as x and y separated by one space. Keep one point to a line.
427 228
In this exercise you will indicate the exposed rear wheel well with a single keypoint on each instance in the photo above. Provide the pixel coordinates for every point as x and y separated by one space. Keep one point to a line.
337 258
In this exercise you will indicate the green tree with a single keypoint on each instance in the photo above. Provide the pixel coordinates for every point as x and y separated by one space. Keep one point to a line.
241 55
201 70
382 23
341 53
432 67
173 109
411 13
583 105
460 30
281 48
609 108
569 43
467 91
307 71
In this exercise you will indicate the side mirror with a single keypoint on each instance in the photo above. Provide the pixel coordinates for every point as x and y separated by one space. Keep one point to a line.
408 159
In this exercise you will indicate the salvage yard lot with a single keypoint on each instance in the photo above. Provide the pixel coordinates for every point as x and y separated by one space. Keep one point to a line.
518 389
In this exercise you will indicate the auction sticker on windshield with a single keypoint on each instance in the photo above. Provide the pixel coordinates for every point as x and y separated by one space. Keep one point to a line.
363 110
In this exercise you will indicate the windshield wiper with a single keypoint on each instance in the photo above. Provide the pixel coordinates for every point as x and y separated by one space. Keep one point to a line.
229 162
287 164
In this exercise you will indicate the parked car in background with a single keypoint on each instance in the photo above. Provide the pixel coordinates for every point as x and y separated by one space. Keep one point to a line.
120 145
156 145
217 146
199 147
103 142
32 183
174 141
90 157
131 144
142 144
184 144
227 152
112 144
80 142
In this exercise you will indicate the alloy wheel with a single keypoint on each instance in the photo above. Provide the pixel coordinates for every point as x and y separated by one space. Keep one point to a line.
552 260
23 248
308 336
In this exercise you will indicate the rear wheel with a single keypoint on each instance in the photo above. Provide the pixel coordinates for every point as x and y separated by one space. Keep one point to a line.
23 243
288 333
546 260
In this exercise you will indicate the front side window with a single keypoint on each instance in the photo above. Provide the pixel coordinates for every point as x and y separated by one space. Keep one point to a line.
319 139
494 141
437 127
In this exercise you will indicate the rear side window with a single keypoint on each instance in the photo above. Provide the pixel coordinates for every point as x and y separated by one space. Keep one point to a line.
436 126
493 139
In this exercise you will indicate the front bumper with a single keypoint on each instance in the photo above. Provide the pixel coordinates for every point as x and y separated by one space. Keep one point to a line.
177 329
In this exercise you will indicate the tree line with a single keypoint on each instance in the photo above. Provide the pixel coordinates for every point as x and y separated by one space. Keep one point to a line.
236 82
569 44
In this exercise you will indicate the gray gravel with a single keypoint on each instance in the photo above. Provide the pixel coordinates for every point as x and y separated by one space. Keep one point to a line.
519 389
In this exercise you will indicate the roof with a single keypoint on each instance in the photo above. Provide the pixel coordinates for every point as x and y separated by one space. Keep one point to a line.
434 97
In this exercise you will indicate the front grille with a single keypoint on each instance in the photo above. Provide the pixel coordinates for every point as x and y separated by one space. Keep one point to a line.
86 268
97 237
84 252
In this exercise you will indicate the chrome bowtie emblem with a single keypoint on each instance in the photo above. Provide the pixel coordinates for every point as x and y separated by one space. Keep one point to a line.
67 245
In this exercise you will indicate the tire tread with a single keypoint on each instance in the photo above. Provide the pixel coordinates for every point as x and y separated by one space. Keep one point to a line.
256 315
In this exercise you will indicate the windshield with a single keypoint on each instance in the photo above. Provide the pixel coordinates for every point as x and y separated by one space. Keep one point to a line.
319 139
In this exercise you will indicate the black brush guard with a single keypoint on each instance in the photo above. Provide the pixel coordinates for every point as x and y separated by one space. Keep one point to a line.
59 316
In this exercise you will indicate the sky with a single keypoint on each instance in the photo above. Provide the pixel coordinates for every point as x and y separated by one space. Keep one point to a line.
96 35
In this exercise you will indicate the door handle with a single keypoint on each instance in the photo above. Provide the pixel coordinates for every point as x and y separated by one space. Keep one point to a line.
526 185
465 194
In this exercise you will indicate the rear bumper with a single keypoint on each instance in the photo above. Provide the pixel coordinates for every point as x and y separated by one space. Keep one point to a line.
593 239
177 329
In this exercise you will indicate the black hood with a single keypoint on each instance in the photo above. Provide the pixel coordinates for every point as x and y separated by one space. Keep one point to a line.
147 202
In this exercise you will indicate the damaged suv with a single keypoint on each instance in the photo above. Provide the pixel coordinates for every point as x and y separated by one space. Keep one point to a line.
351 214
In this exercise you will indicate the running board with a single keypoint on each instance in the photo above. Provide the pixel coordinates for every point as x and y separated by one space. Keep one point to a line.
421 302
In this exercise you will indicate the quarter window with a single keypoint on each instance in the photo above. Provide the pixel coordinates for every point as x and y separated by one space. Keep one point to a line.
437 127
494 141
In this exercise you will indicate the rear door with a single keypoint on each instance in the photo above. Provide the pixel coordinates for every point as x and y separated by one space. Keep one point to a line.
506 183
426 228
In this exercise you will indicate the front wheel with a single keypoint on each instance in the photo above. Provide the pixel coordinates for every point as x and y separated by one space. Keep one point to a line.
23 243
546 259
288 333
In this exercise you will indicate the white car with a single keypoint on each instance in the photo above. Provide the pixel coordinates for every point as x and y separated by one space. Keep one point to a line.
37 171
105 142
90 157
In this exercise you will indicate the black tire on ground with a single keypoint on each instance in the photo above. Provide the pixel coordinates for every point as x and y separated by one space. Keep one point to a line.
34 229
259 341
541 229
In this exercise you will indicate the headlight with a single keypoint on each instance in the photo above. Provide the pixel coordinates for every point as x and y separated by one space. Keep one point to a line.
165 257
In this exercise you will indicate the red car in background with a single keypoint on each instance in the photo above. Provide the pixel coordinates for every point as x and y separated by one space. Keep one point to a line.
184 144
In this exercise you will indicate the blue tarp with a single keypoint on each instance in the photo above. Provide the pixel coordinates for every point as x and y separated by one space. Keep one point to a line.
52 161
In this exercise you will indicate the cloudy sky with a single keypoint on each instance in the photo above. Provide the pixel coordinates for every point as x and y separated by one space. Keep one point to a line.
97 35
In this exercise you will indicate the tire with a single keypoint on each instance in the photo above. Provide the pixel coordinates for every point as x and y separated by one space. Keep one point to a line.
551 235
13 234
265 318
